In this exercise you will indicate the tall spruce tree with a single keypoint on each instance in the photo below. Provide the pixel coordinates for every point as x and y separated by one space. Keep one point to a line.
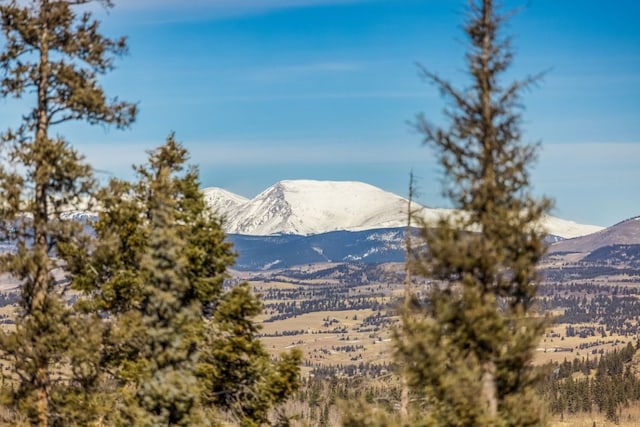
170 310
158 264
51 55
177 347
469 349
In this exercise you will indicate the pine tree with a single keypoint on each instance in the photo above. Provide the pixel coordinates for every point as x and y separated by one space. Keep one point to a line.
53 56
158 264
169 308
470 346
177 346
237 373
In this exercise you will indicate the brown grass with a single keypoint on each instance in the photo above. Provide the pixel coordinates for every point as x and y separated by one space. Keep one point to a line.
630 417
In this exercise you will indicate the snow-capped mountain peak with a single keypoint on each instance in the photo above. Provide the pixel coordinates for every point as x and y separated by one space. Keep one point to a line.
310 207
567 229
221 201
307 207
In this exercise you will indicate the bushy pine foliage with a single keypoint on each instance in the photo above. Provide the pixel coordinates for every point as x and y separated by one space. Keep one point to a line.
466 351
136 346
51 55
236 372
469 348
178 348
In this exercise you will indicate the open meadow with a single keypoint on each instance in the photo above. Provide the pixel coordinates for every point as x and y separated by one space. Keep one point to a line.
345 314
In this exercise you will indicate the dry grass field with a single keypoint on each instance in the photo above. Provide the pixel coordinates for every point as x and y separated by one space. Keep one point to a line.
353 335
342 337
555 346
319 333
630 417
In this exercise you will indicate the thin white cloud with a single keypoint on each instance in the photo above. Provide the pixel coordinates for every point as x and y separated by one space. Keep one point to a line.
110 157
371 94
316 67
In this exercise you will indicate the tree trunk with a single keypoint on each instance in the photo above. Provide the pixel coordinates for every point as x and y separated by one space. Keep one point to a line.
41 217
490 389
404 401
404 393
42 405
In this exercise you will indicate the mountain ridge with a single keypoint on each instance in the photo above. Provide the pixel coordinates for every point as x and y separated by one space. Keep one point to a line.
307 207
625 232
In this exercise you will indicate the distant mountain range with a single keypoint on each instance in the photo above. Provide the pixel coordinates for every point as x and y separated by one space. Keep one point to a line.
283 251
306 207
616 246
625 233
610 256
305 222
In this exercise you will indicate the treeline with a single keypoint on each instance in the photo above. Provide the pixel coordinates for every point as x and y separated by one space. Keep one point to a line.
583 271
353 274
615 255
317 291
617 312
573 288
286 310
606 384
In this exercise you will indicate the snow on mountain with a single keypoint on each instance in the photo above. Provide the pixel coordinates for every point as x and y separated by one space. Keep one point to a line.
221 201
567 229
83 216
306 207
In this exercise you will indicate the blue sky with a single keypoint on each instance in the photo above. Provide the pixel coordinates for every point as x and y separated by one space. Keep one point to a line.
264 90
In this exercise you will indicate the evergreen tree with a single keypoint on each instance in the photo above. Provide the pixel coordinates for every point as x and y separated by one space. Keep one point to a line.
52 55
178 347
469 348
169 307
236 371
158 263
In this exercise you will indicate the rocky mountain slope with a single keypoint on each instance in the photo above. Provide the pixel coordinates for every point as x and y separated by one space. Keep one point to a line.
306 207
222 201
